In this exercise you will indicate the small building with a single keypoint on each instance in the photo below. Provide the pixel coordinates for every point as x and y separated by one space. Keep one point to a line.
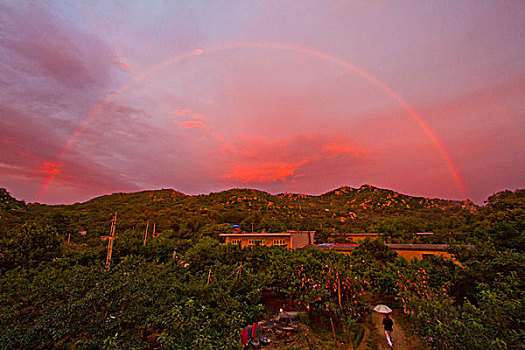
290 239
407 251
353 237
420 251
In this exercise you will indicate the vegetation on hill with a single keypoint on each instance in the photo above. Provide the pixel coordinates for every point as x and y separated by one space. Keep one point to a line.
366 209
183 290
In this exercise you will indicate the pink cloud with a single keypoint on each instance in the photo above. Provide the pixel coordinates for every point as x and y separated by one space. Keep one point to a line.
199 117
193 120
251 174
189 124
188 114
49 168
334 149
182 112
76 178
45 47
123 65
257 159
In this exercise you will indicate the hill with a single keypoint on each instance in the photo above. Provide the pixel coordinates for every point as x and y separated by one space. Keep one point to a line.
346 209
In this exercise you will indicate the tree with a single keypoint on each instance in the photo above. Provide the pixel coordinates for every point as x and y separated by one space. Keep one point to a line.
214 230
31 246
375 249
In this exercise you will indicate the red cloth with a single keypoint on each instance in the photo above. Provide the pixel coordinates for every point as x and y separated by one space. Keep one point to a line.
244 334
254 329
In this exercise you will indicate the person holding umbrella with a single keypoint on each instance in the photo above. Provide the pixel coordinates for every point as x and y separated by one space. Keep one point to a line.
389 328
387 322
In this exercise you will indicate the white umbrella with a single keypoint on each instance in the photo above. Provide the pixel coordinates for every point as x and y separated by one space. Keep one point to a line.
382 309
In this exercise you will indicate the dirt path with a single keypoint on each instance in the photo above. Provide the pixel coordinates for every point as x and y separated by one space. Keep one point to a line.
400 339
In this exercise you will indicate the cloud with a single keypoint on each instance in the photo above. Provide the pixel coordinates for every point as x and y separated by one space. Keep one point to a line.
25 137
41 47
123 65
252 174
49 168
181 112
31 146
199 117
335 149
258 159
52 72
75 178
186 113
195 125
188 124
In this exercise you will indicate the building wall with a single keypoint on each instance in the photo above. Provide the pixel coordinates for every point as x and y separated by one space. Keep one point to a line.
418 254
300 239
352 237
290 239
263 240
411 254
356 238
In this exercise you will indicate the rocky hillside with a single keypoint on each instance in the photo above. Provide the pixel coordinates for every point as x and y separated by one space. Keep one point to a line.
346 209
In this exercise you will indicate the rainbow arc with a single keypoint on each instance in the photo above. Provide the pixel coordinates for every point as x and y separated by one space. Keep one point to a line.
268 45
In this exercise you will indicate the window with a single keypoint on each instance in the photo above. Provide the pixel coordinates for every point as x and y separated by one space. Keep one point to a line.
279 242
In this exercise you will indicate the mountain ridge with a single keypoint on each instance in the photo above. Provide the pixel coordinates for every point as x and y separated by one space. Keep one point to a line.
344 209
359 197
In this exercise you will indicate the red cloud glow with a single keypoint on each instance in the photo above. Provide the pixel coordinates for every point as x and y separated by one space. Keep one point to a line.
49 168
334 150
123 65
257 159
252 174
188 124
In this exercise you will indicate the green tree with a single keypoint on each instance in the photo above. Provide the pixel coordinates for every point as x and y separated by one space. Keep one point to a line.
31 246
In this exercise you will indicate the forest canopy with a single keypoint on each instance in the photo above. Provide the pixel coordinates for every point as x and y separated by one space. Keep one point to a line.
183 289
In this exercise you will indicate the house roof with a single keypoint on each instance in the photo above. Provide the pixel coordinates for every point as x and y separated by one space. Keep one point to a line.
351 247
284 234
355 234
339 247
276 234
402 246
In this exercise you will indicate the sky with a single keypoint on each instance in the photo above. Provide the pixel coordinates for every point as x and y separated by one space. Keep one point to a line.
422 97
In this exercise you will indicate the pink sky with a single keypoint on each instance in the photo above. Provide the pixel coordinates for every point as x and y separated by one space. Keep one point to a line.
424 98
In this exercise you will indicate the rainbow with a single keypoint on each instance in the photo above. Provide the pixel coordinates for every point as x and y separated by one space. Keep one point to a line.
268 45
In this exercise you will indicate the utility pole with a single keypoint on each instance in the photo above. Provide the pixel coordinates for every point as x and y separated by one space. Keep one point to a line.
333 331
110 240
146 233
339 291
240 272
